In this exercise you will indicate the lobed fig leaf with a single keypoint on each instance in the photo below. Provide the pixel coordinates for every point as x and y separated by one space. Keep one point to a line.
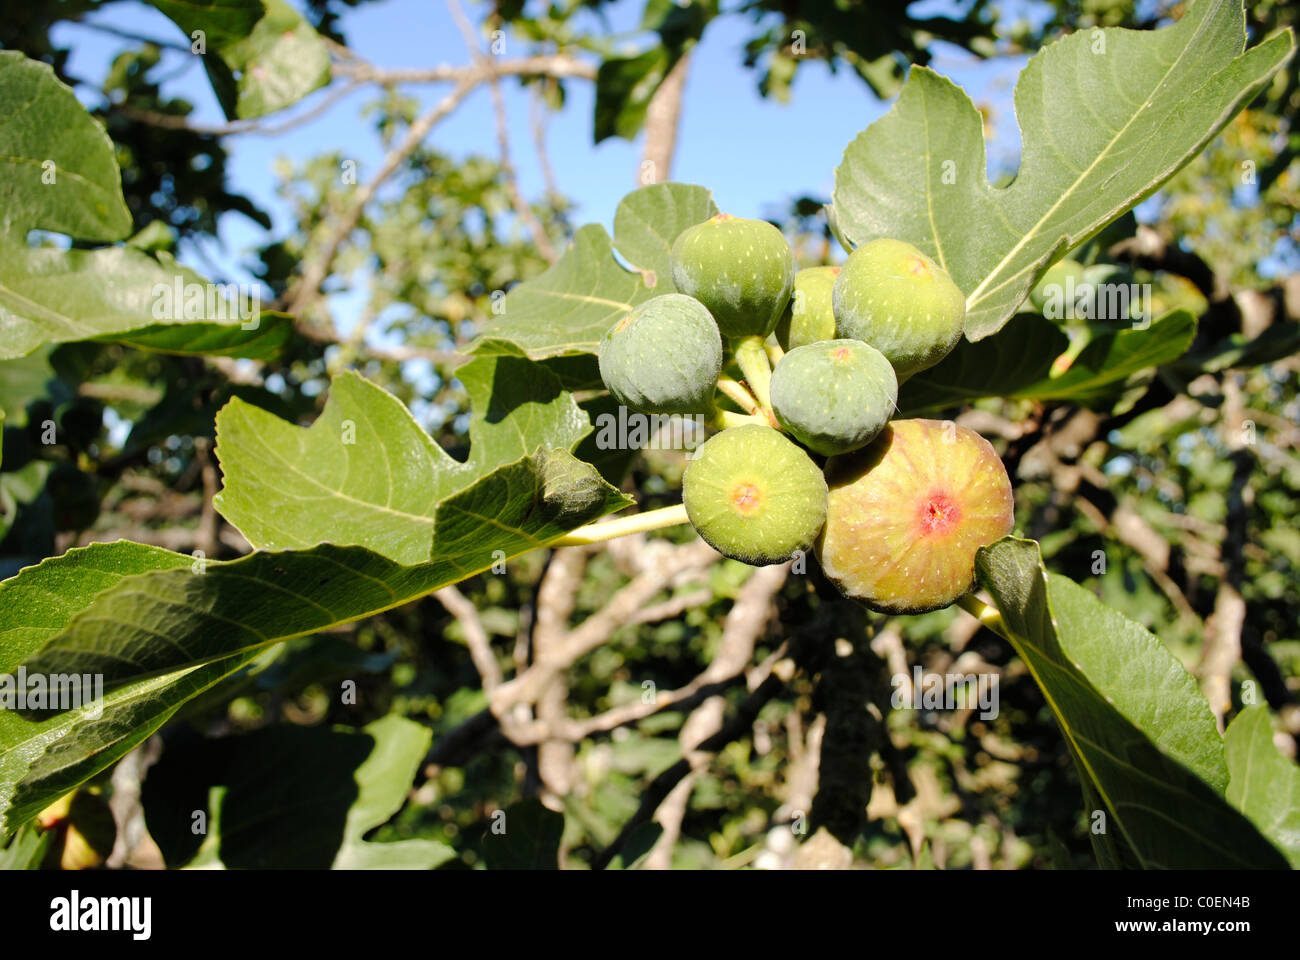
906 515
809 317
754 496
742 270
663 357
892 296
834 396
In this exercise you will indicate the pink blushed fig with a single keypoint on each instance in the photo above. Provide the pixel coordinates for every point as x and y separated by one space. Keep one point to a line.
906 514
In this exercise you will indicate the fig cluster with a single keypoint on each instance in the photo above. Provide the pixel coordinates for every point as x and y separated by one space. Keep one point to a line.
812 460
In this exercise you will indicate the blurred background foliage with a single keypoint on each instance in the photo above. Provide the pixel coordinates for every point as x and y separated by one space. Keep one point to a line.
1160 502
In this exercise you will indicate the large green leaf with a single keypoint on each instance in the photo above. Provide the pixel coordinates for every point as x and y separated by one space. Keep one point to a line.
1264 785
1142 735
647 222
145 619
43 756
115 293
1105 117
261 56
51 295
366 473
1017 363
358 778
155 623
57 168
160 628
570 307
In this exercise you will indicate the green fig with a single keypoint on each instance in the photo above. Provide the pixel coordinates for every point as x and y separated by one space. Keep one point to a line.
742 270
809 317
1056 285
891 295
754 496
834 396
663 357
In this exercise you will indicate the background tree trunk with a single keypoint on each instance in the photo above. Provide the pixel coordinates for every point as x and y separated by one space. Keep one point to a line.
661 122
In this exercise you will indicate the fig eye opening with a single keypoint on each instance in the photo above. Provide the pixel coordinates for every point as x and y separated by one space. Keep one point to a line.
746 497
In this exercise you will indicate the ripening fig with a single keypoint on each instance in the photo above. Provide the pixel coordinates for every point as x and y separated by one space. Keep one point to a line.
742 270
891 295
663 357
834 396
906 515
754 496
809 317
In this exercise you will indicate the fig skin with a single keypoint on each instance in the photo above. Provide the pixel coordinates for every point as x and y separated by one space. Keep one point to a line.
754 496
742 270
810 317
891 295
834 396
663 357
906 515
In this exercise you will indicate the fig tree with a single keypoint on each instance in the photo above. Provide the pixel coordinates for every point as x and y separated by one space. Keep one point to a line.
663 357
834 396
809 316
754 496
742 270
906 515
892 296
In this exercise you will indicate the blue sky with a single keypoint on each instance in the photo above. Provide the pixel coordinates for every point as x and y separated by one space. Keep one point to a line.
754 153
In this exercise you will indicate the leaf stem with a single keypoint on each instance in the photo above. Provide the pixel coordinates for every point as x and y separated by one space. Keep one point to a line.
612 529
751 355
774 353
988 616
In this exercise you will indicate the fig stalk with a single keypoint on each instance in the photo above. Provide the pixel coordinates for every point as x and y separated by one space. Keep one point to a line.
751 355
604 530
741 396
988 616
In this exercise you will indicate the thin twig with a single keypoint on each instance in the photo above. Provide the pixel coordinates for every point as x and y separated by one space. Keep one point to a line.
522 210
308 288
537 118
476 638
557 65
258 127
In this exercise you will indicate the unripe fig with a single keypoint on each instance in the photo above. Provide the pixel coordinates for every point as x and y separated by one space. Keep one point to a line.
742 270
892 296
1054 282
906 515
809 317
1076 296
834 396
663 357
1109 290
754 496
